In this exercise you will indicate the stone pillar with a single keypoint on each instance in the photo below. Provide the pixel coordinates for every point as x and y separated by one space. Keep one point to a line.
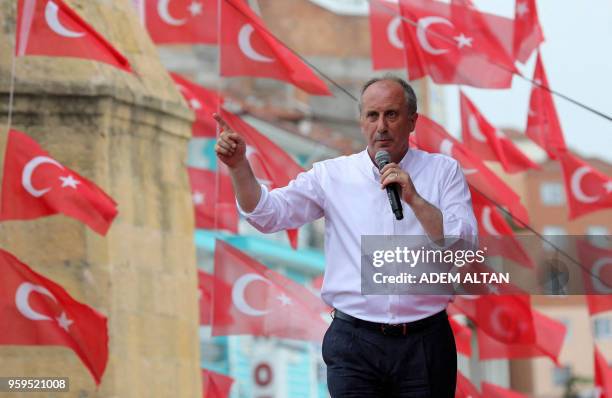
128 133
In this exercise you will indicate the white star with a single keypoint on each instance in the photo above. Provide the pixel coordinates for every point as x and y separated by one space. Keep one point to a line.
532 113
521 9
200 294
463 40
537 81
195 8
284 299
608 186
195 104
69 181
197 197
63 321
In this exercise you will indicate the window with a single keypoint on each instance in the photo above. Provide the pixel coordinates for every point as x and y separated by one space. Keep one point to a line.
603 328
556 235
598 235
552 193
561 375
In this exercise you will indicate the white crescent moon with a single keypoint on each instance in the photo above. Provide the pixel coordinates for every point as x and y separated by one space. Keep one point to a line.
238 294
164 14
422 25
28 170
486 221
392 32
446 148
475 129
499 329
597 283
244 42
21 300
51 11
575 186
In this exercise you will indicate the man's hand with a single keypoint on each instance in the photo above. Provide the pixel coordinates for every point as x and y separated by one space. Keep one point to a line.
230 147
391 174
428 215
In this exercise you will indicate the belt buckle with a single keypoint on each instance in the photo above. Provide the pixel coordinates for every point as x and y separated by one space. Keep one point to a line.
393 329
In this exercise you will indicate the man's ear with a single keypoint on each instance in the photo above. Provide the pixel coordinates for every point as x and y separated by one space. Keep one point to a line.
415 117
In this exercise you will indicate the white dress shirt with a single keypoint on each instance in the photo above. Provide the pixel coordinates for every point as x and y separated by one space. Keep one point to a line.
346 191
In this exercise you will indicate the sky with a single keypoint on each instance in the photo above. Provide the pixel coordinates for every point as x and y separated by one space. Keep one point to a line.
577 56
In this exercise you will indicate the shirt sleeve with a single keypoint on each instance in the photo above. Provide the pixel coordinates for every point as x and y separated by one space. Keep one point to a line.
456 207
300 202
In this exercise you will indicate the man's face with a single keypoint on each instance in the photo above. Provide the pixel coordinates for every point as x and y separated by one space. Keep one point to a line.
385 120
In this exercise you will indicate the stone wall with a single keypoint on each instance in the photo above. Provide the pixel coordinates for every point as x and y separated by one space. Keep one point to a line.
128 133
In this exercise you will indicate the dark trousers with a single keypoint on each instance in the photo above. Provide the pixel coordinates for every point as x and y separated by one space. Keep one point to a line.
362 362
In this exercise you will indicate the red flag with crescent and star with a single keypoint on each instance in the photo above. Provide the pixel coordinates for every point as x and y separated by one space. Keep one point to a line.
213 199
586 188
249 49
203 102
35 185
181 21
549 337
262 302
596 263
454 44
488 142
431 137
528 33
500 239
51 28
37 311
543 125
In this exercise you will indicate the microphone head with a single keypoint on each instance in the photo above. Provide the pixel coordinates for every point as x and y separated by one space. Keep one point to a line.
382 158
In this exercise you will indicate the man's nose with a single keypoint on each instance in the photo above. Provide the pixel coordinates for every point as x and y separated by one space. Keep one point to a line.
381 125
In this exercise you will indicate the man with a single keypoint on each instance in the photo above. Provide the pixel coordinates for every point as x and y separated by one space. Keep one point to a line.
377 345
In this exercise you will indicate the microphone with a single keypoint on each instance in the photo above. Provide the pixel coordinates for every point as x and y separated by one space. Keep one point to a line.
383 158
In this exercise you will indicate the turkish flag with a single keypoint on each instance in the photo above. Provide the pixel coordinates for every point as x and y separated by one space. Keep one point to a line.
249 49
213 199
549 338
181 21
386 35
432 137
51 28
543 126
216 385
500 237
36 185
488 142
493 391
527 30
454 45
37 311
596 263
507 319
465 388
463 337
203 102
587 189
271 165
603 376
262 302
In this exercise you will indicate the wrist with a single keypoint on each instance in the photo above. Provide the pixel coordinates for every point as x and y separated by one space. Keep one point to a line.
414 201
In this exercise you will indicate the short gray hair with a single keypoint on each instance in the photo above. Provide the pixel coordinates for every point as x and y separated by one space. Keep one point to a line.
409 95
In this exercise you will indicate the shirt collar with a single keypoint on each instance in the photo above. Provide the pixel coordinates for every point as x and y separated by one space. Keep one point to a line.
370 168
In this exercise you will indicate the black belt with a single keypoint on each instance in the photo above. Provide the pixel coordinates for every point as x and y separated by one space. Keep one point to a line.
388 329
